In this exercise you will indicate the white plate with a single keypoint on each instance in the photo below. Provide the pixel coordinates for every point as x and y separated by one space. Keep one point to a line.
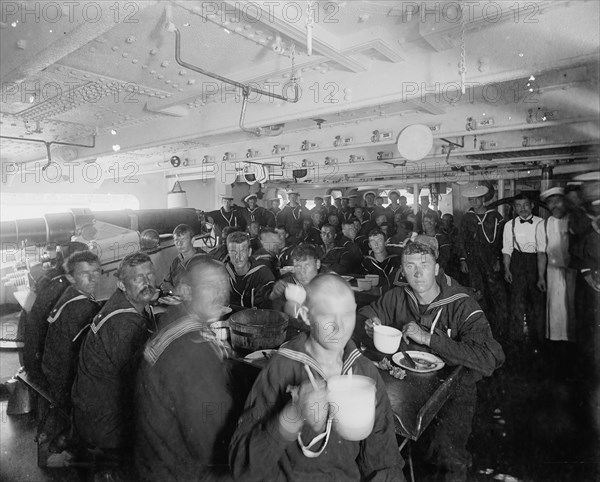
259 355
426 362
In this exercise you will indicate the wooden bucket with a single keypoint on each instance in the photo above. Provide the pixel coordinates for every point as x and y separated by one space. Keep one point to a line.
254 329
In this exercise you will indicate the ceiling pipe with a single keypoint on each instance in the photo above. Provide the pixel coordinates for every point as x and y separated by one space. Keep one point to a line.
245 88
48 144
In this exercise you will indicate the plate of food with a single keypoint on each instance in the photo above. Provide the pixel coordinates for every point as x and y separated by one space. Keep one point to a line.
265 354
169 300
425 362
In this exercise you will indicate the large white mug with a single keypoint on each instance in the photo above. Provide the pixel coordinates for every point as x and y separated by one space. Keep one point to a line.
386 338
352 405
373 278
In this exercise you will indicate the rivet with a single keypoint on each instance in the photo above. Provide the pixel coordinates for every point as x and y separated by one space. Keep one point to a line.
131 39
92 49
191 81
125 55
153 72
134 61
175 86
144 66
153 51
165 63
115 48
167 81
161 77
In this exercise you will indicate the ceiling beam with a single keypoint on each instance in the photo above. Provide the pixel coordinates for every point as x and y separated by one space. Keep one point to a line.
66 44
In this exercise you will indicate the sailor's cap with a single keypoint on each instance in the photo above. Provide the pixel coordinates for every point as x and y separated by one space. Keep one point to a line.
553 191
474 191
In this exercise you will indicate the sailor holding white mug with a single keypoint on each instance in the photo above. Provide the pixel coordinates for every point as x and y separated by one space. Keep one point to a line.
296 425
453 326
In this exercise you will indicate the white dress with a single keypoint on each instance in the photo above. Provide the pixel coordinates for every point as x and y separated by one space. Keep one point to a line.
560 279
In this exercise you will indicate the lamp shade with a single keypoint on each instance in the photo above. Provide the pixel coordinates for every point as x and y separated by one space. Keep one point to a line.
177 198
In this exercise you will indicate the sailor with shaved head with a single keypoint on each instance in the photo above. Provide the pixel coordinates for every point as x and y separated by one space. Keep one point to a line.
286 432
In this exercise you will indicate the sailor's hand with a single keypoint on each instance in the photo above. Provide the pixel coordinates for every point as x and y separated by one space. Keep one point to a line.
508 276
278 289
464 268
369 325
313 404
417 334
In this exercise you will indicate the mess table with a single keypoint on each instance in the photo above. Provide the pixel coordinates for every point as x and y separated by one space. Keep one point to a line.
418 397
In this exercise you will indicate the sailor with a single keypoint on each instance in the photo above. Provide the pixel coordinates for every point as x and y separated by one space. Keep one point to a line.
291 215
67 326
286 431
184 397
103 389
480 248
345 212
250 282
183 239
369 207
226 215
254 212
442 318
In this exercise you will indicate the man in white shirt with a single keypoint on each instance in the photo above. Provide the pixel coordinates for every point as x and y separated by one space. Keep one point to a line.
554 274
519 252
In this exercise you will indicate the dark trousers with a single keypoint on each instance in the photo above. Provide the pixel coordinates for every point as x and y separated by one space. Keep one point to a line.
490 283
525 299
445 440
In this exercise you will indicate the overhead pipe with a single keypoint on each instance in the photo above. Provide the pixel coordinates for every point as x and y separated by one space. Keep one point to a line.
49 143
244 87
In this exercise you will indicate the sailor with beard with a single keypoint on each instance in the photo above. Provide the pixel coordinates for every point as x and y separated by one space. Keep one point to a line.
103 390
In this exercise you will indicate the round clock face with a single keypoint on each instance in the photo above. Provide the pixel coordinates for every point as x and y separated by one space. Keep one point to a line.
415 142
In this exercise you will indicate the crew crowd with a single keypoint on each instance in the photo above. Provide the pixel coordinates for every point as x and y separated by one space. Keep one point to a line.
161 391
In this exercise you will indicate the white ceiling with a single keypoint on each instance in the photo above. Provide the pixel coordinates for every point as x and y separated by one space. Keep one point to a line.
71 74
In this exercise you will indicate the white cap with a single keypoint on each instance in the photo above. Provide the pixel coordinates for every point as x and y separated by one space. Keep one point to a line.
293 192
588 176
393 191
369 192
553 191
475 191
250 196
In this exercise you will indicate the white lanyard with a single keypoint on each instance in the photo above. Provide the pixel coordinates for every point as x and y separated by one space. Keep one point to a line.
225 217
481 221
